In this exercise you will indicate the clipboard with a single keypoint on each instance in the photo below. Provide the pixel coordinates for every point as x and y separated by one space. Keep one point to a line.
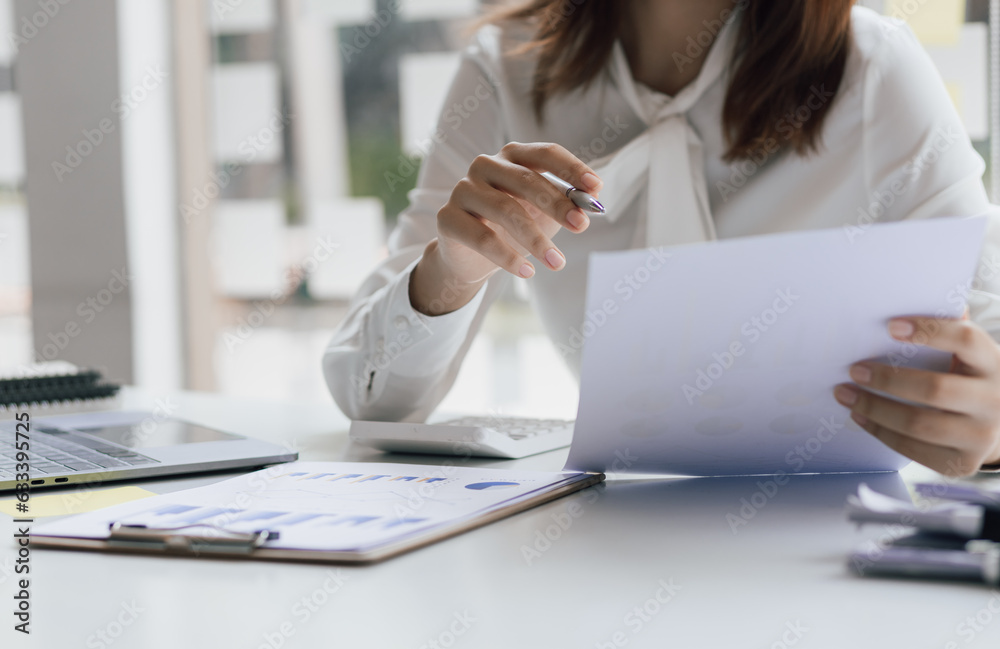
205 540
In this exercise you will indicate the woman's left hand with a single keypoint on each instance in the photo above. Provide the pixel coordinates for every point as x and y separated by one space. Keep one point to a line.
956 428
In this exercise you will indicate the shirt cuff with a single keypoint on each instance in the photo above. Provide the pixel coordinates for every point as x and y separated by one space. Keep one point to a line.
419 345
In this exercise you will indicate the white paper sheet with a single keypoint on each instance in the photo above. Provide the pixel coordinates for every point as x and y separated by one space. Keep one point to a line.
721 358
325 505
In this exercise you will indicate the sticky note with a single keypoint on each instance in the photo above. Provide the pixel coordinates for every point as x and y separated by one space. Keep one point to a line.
935 22
76 501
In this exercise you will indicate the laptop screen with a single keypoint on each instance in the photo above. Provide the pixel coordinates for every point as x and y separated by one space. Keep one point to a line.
165 433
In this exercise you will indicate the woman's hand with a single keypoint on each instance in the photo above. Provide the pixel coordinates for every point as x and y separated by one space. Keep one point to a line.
955 429
501 212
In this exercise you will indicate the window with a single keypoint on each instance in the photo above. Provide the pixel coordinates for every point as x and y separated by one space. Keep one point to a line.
313 102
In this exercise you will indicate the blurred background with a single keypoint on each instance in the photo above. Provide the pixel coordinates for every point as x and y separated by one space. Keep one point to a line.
191 190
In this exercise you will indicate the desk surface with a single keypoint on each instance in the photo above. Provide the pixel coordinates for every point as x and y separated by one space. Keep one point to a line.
642 564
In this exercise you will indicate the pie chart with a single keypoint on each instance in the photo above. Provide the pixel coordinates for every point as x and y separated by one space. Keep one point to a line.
479 486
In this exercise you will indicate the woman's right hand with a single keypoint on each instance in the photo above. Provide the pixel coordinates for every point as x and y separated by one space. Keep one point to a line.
501 212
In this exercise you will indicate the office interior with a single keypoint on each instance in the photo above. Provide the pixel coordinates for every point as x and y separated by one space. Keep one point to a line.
192 190
257 155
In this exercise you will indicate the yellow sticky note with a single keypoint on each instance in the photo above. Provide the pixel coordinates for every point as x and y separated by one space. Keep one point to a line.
73 502
935 22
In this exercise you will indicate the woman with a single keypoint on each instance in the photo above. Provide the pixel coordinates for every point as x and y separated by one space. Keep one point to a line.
729 119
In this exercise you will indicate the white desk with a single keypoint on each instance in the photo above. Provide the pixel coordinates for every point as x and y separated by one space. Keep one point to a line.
784 570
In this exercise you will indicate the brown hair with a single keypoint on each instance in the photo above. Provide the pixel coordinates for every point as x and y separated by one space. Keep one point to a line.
787 52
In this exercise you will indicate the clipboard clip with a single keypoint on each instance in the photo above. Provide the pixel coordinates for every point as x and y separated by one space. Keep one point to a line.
174 539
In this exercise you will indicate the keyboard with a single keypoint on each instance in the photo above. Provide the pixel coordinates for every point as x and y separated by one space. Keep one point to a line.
55 452
504 437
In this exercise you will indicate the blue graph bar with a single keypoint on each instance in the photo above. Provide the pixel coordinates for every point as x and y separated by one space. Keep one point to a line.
295 519
173 509
357 520
257 516
346 476
204 512
403 521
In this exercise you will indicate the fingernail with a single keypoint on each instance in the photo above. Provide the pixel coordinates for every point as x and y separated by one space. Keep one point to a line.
845 395
901 328
577 219
861 374
590 181
861 420
526 270
554 259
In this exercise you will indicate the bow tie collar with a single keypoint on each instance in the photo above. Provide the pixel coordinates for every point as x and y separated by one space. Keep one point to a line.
665 164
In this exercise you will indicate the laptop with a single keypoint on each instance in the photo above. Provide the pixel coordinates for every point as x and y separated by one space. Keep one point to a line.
99 447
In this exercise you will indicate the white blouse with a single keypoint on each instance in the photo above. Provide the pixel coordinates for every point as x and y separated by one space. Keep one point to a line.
892 148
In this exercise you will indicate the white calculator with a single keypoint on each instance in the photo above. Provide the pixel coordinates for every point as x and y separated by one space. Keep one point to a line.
505 437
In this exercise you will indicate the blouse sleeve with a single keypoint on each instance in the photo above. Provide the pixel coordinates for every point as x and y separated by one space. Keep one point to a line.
919 161
387 361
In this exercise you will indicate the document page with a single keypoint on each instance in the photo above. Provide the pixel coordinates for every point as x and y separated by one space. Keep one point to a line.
325 505
721 358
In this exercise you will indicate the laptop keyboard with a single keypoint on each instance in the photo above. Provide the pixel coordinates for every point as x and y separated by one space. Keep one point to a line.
55 452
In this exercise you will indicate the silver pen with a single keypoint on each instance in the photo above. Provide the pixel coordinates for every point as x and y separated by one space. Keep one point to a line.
580 198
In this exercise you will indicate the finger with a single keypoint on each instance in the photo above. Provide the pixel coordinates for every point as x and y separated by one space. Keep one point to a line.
520 181
928 425
470 231
969 342
546 156
946 391
500 208
942 459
